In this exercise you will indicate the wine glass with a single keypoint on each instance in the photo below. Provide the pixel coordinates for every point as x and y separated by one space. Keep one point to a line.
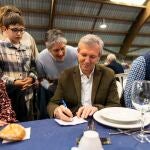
140 97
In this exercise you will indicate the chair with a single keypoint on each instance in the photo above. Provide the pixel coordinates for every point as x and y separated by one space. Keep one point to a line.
121 77
119 88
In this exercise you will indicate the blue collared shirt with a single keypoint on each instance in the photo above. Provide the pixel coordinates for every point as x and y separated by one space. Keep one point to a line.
137 72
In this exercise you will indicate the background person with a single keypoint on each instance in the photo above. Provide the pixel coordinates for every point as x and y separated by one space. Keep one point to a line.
50 63
18 66
85 88
111 62
26 37
140 70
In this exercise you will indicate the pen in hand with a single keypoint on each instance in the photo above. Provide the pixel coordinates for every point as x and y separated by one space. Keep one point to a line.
63 103
68 114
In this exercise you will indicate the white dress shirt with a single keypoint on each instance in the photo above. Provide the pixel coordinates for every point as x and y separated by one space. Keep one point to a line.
86 88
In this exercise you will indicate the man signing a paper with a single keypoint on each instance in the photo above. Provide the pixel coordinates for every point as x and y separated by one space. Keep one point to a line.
85 88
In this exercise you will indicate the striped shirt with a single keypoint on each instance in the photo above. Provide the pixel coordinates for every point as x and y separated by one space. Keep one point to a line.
17 63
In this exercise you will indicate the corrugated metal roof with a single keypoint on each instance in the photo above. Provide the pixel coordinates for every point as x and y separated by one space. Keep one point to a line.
145 28
32 4
143 40
34 19
79 17
119 12
70 22
75 6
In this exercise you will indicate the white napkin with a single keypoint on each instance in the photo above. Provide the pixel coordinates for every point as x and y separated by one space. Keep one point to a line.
27 136
75 121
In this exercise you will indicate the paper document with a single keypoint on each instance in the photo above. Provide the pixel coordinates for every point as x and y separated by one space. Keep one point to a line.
75 121
27 136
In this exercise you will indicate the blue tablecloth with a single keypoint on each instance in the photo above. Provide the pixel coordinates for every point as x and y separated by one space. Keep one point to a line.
48 135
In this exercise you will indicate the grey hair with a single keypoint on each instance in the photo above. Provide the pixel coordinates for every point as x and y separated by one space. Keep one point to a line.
111 57
54 36
91 39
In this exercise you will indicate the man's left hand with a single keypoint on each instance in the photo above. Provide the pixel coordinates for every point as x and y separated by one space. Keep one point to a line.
85 111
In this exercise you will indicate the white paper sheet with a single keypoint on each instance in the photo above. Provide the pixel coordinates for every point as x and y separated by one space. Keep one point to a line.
27 136
75 121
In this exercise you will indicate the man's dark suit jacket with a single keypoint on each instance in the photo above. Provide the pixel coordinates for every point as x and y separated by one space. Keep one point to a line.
104 89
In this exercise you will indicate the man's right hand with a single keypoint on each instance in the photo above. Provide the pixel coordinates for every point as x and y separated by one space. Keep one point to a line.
63 113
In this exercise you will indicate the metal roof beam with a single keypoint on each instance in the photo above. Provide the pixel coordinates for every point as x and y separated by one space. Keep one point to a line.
52 12
143 16
69 14
95 20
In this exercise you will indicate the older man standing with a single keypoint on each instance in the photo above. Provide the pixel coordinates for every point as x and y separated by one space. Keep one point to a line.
85 88
50 63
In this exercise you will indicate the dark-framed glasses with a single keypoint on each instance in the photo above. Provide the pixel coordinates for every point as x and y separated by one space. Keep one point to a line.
16 30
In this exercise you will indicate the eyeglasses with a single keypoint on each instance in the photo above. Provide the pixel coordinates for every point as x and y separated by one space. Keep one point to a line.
16 30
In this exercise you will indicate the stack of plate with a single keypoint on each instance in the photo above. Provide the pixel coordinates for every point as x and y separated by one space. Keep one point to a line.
120 117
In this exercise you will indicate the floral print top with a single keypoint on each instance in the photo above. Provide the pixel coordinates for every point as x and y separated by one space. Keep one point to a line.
6 112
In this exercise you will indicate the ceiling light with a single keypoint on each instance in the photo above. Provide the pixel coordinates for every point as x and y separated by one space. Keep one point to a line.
130 2
103 25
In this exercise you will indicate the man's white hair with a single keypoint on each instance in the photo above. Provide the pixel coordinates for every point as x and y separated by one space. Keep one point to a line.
91 39
111 57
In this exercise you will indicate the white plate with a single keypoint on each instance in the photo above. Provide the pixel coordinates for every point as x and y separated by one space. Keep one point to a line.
120 114
97 116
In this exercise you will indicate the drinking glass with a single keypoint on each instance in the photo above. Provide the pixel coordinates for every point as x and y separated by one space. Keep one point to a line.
140 97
